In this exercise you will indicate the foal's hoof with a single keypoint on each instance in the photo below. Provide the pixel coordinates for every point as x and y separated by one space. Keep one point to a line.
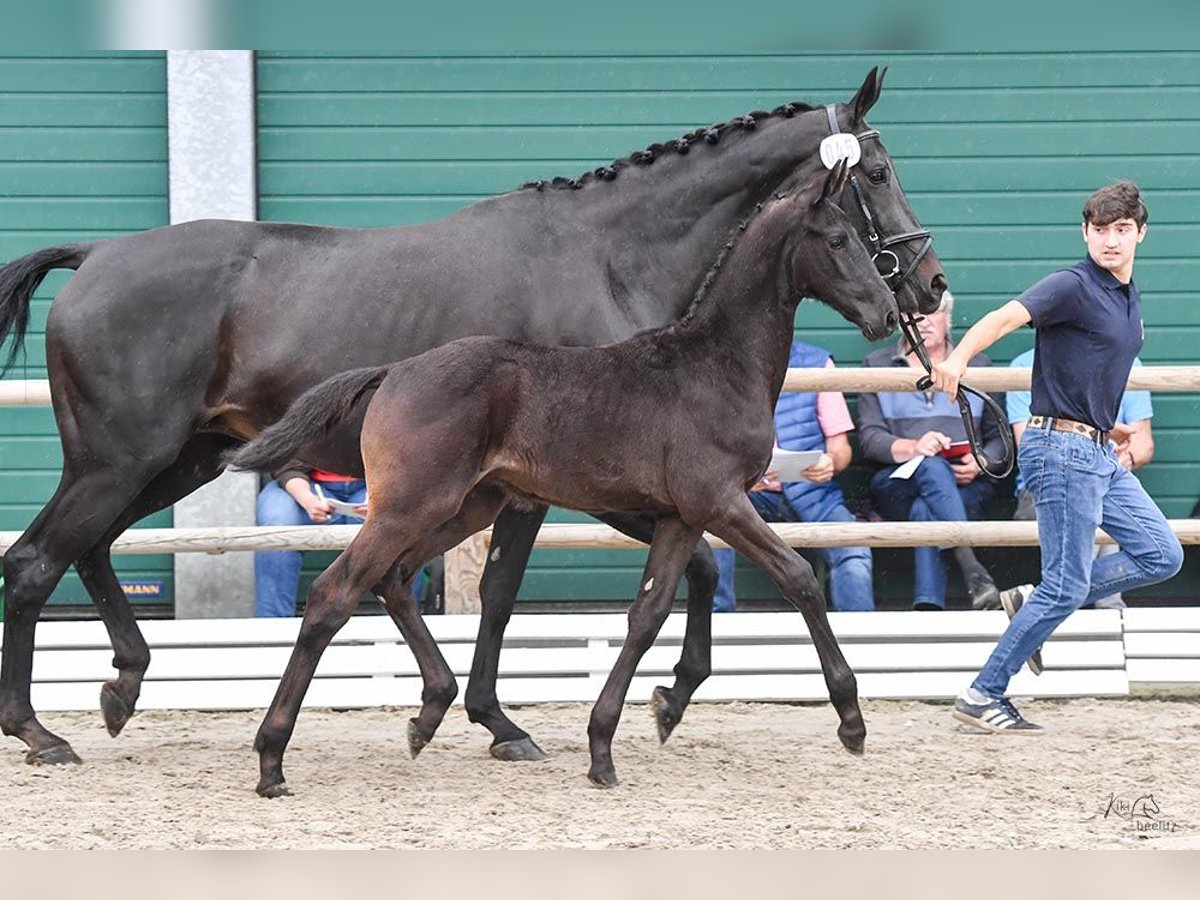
666 717
115 710
54 755
271 791
607 779
520 750
416 740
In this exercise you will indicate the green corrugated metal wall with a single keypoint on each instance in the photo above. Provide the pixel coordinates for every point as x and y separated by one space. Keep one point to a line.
83 155
996 151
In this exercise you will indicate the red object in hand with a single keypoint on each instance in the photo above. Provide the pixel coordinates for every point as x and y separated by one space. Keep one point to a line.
955 450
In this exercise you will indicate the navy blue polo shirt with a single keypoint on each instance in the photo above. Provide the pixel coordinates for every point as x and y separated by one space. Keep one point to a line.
1089 329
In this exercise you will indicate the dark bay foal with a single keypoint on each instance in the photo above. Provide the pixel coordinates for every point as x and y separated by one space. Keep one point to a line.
675 422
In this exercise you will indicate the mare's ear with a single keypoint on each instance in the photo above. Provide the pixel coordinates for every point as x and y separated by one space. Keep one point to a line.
834 182
872 87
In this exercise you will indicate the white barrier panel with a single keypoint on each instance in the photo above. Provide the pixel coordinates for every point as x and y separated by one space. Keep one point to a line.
236 663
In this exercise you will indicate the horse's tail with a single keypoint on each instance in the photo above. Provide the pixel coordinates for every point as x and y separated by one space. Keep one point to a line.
309 419
19 279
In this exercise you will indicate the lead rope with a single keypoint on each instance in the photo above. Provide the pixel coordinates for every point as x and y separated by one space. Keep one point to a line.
908 325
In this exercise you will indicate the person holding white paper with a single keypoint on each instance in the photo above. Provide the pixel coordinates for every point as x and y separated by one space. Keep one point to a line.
291 498
810 422
917 440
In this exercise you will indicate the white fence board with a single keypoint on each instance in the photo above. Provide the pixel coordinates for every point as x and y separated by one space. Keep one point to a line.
236 664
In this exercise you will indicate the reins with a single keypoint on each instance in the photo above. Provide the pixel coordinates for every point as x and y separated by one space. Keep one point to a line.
908 325
887 263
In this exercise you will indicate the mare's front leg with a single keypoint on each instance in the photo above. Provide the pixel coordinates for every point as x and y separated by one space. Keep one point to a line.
512 541
744 530
669 552
695 659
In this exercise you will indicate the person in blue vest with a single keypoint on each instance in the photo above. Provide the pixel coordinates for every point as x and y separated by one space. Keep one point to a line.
810 421
1136 411
896 428
1089 328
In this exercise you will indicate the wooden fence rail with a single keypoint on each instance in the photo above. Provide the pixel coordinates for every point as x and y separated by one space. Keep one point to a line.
1170 379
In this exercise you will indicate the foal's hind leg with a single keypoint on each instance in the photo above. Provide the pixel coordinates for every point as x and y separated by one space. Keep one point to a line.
512 541
440 688
669 552
331 600
695 660
743 529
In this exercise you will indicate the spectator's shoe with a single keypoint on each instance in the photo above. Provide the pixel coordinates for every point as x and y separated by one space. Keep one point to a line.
995 716
1011 600
1113 601
983 591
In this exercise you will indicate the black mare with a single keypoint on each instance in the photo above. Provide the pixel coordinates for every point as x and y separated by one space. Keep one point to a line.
171 346
676 422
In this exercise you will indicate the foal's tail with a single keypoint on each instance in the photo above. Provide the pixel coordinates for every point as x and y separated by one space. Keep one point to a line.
19 279
309 419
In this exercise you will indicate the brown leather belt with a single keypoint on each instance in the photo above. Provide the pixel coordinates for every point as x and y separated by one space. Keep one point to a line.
1070 426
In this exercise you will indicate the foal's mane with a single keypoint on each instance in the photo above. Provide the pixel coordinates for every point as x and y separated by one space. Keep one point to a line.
710 135
715 269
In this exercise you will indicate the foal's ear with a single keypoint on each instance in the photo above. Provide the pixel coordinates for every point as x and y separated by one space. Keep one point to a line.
872 87
834 182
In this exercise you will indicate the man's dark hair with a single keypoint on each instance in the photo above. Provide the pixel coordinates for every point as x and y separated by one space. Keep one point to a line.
1121 200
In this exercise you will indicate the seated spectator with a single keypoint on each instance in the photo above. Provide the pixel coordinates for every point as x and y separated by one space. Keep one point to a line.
290 499
1136 410
895 427
810 421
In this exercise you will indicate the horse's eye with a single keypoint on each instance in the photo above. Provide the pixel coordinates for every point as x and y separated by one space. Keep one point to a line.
878 176
837 243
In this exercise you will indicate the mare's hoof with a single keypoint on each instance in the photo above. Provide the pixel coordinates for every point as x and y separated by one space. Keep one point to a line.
604 779
855 743
54 755
416 740
115 711
662 707
520 750
271 791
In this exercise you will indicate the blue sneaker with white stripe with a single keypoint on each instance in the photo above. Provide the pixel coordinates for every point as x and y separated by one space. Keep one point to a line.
995 716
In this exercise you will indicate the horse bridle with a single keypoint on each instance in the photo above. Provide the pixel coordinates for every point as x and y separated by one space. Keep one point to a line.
881 253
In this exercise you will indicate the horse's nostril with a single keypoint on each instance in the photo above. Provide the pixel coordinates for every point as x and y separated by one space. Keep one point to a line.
938 284
892 321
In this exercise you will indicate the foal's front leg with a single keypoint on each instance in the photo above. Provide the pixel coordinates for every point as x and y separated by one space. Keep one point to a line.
695 658
745 531
669 551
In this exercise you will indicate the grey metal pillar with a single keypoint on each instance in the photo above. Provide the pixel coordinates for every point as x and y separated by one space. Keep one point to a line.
212 160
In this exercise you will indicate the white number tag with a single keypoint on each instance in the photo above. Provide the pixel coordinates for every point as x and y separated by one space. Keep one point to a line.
840 146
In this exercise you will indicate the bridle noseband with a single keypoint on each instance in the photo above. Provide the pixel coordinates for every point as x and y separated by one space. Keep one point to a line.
887 263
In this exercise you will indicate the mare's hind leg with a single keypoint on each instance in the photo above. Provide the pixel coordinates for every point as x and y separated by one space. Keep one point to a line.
512 541
74 521
440 688
669 551
695 661
198 463
743 529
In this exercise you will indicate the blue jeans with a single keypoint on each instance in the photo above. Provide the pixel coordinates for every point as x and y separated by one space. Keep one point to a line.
929 495
277 572
1077 486
850 569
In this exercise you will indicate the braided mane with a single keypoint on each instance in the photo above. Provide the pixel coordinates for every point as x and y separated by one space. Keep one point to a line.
709 135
